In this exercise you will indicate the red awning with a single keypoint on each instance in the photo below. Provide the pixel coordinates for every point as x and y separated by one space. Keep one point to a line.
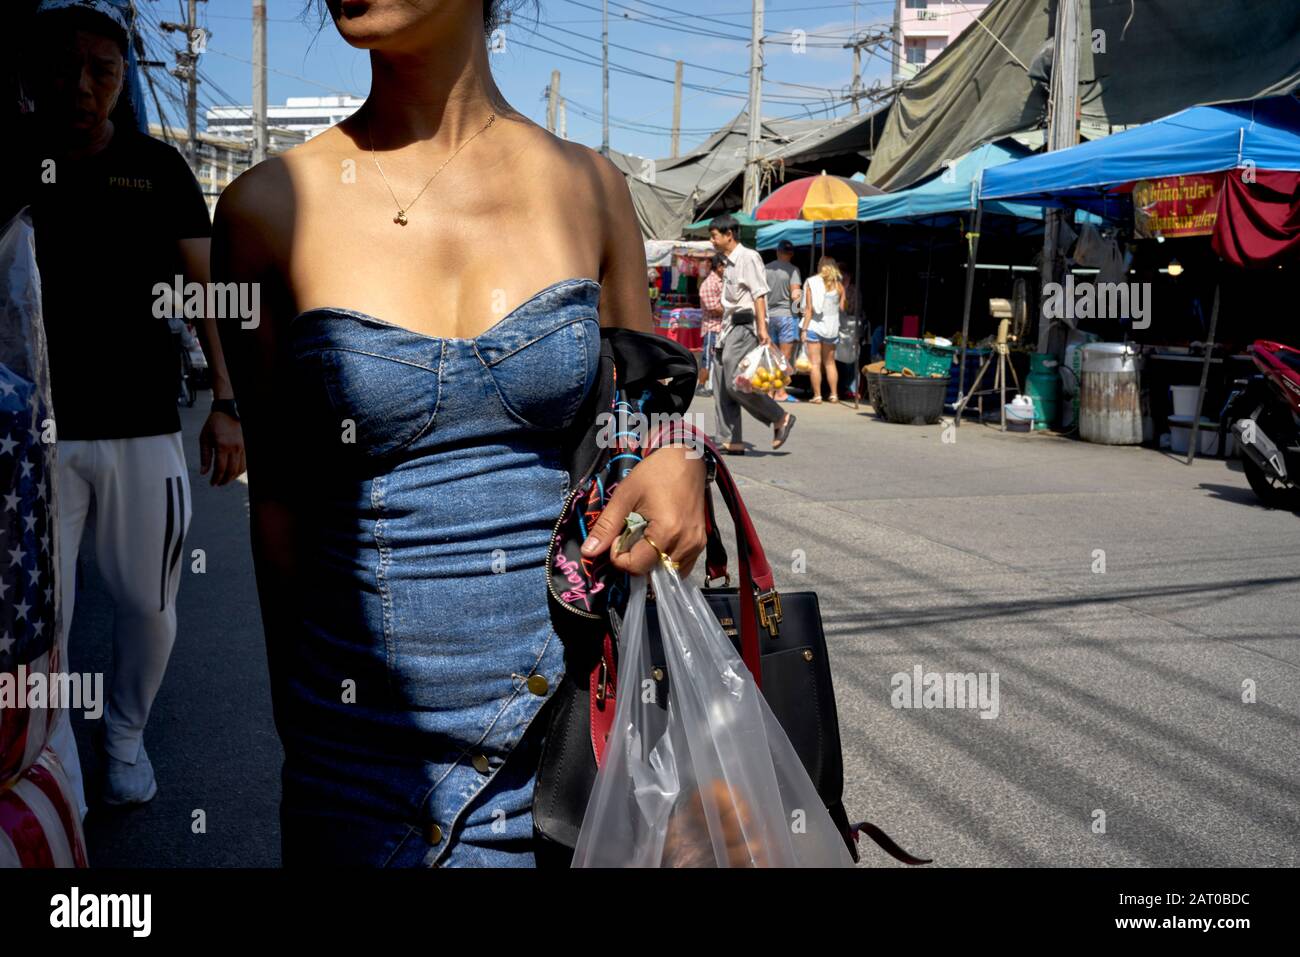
1259 218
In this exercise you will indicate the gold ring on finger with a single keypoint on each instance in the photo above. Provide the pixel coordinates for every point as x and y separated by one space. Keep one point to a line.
663 555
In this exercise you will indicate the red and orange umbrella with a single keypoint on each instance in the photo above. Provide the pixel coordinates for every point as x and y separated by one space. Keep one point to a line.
815 198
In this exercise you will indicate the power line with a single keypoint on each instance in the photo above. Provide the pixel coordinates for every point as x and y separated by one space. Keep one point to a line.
656 56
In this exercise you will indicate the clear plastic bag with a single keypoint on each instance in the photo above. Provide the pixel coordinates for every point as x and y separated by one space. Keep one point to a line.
699 775
801 362
763 369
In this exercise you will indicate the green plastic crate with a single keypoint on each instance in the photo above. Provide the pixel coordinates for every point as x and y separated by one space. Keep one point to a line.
918 355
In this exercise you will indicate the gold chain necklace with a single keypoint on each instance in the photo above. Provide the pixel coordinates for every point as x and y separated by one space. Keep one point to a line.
400 218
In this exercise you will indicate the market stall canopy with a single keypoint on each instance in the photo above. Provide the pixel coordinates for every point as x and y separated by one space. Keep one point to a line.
748 227
1263 134
1137 62
670 193
660 252
954 190
815 198
803 232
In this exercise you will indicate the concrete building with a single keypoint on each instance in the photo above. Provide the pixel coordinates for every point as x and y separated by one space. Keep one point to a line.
307 115
925 27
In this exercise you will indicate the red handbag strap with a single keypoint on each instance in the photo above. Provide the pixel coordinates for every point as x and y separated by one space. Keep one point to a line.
755 584
602 687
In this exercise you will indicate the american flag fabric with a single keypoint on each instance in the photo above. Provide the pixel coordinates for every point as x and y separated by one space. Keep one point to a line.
39 826
28 586
39 822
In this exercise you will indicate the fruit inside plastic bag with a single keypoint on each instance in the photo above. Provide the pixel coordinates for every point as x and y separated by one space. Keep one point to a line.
763 369
697 771
801 362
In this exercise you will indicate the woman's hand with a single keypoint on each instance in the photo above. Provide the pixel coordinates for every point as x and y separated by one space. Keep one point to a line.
221 448
667 489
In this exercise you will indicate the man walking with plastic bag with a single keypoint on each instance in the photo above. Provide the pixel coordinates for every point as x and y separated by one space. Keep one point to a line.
744 326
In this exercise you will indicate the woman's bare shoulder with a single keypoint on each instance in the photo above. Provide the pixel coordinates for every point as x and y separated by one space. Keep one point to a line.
266 192
579 169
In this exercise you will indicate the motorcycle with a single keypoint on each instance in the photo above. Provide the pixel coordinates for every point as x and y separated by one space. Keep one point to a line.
1265 415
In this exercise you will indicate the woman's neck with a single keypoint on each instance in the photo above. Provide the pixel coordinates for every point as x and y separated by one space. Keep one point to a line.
442 95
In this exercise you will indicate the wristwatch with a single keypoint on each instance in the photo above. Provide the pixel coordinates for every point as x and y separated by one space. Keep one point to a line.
227 407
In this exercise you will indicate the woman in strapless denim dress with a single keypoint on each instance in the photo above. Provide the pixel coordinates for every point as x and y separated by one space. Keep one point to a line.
407 438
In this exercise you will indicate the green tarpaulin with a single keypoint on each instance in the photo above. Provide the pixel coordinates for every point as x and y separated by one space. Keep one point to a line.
1139 60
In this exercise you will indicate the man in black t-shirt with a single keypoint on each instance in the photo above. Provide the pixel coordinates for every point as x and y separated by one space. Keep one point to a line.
115 214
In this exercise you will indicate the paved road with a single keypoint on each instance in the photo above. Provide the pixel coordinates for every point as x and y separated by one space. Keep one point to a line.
1119 691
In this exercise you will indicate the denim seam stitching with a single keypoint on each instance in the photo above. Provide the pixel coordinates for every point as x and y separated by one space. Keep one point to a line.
545 290
381 581
486 779
537 338
347 415
304 353
574 403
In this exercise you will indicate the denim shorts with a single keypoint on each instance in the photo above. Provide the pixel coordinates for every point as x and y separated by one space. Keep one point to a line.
709 339
782 329
813 337
422 647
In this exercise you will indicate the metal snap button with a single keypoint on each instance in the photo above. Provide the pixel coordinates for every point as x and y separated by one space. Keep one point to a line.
434 834
480 763
538 684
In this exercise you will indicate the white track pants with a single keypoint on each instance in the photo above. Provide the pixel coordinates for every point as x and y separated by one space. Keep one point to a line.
141 491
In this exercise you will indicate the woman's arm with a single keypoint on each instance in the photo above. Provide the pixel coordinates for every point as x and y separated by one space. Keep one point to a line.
667 487
244 250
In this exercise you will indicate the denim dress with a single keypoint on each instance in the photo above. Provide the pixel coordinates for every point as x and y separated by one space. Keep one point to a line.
431 485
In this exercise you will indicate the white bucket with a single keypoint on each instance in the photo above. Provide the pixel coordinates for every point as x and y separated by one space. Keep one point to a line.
1183 398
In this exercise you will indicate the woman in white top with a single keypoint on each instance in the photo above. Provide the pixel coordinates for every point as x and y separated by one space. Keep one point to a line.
820 328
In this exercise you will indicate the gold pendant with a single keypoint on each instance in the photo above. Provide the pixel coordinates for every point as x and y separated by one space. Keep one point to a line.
400 218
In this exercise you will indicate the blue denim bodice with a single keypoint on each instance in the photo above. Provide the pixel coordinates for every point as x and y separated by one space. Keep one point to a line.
432 484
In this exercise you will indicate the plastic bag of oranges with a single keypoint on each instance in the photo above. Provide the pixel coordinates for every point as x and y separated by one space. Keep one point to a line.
801 362
763 369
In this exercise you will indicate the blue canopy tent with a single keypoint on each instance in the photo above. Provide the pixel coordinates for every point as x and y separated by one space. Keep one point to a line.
956 190
1203 139
802 232
940 201
1094 176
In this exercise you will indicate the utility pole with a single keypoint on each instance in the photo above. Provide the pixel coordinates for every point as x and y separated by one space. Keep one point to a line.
604 77
564 121
187 70
552 100
677 108
1062 130
863 41
259 81
897 34
755 108
855 87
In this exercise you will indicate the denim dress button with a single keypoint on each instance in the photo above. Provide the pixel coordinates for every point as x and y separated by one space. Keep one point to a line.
434 834
480 763
538 684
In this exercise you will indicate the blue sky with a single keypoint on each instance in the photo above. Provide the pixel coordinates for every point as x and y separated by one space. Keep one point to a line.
710 35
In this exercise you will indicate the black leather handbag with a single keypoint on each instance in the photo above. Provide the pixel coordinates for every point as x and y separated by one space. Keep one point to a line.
778 635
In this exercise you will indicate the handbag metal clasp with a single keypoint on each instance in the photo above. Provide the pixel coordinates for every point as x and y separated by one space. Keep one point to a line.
726 580
769 611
